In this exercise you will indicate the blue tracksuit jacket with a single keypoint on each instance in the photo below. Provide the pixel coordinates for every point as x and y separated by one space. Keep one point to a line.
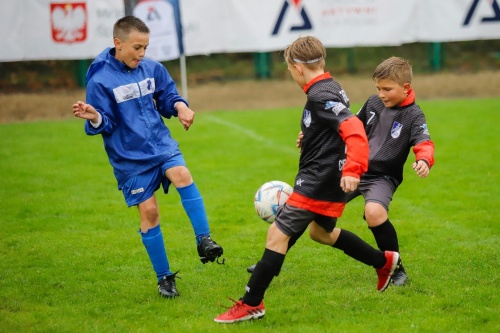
131 103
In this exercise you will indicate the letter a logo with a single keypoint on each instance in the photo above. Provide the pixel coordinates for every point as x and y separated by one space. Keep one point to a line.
494 18
306 25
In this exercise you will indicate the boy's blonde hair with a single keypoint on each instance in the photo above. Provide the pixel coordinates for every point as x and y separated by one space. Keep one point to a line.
308 51
126 24
394 68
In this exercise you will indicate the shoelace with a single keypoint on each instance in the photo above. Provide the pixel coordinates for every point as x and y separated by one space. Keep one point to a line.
216 259
169 282
175 275
234 307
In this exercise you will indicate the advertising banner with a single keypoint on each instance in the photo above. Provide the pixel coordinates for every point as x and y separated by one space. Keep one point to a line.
459 20
80 29
163 19
45 29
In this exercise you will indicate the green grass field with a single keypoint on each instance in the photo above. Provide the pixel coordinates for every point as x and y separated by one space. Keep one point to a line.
72 260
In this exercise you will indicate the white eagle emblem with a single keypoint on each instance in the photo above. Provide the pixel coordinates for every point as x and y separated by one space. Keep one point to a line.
69 22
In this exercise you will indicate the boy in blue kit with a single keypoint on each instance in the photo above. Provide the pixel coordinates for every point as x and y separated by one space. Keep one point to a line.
127 96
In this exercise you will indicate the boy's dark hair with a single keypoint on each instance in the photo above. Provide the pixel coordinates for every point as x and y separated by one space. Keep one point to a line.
308 51
126 24
394 68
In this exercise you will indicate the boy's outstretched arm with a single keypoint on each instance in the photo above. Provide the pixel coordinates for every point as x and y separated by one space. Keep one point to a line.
85 111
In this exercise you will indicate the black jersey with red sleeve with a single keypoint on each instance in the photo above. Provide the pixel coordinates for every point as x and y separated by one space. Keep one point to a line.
326 122
391 134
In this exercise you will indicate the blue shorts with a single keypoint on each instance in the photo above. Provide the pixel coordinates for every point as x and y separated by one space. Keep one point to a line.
142 187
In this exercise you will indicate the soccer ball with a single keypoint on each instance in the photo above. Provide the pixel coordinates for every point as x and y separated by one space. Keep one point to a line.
270 197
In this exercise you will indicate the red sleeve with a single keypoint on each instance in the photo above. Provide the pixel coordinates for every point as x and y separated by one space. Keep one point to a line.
353 133
425 151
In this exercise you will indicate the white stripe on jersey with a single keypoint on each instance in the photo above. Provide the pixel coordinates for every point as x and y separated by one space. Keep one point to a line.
134 90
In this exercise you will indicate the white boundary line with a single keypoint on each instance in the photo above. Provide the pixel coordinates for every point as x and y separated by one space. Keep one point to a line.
255 136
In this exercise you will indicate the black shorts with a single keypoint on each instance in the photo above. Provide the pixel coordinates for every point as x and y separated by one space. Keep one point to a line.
292 220
376 189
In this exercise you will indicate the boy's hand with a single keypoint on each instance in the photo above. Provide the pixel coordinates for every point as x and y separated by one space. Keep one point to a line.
299 139
349 183
421 168
85 111
185 115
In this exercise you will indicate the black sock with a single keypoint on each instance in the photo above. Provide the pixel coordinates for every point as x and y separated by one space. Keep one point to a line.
265 270
294 239
386 237
358 249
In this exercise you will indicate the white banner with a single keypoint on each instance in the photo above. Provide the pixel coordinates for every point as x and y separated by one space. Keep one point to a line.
459 20
80 29
160 18
263 25
45 29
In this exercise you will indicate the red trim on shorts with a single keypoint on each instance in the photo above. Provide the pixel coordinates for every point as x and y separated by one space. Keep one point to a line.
332 209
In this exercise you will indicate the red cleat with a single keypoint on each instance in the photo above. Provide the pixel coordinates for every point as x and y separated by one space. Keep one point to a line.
240 312
385 272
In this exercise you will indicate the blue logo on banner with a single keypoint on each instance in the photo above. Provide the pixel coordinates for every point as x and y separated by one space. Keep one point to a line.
494 18
306 25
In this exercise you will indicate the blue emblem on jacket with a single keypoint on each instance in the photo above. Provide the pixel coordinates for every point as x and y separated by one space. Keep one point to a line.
396 129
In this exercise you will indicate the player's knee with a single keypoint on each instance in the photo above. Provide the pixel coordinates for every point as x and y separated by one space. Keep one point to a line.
312 232
375 213
150 214
180 176
314 237
319 235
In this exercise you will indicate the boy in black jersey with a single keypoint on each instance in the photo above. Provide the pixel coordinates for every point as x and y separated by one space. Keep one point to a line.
393 123
334 155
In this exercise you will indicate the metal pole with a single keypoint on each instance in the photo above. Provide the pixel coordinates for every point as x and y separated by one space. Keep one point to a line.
184 76
435 58
81 72
351 64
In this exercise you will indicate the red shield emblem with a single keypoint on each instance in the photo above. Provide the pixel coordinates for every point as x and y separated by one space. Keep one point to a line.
68 22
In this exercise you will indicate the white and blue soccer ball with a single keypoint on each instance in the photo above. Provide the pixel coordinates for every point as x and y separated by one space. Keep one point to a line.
269 197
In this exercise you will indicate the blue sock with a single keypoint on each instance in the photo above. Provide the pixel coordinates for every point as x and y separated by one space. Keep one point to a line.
195 209
153 242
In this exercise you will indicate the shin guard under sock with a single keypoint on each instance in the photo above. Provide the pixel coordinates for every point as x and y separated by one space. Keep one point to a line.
195 209
358 249
153 242
265 270
386 237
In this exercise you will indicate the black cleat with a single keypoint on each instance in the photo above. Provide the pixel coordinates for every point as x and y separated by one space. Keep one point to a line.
250 269
399 278
166 286
208 250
